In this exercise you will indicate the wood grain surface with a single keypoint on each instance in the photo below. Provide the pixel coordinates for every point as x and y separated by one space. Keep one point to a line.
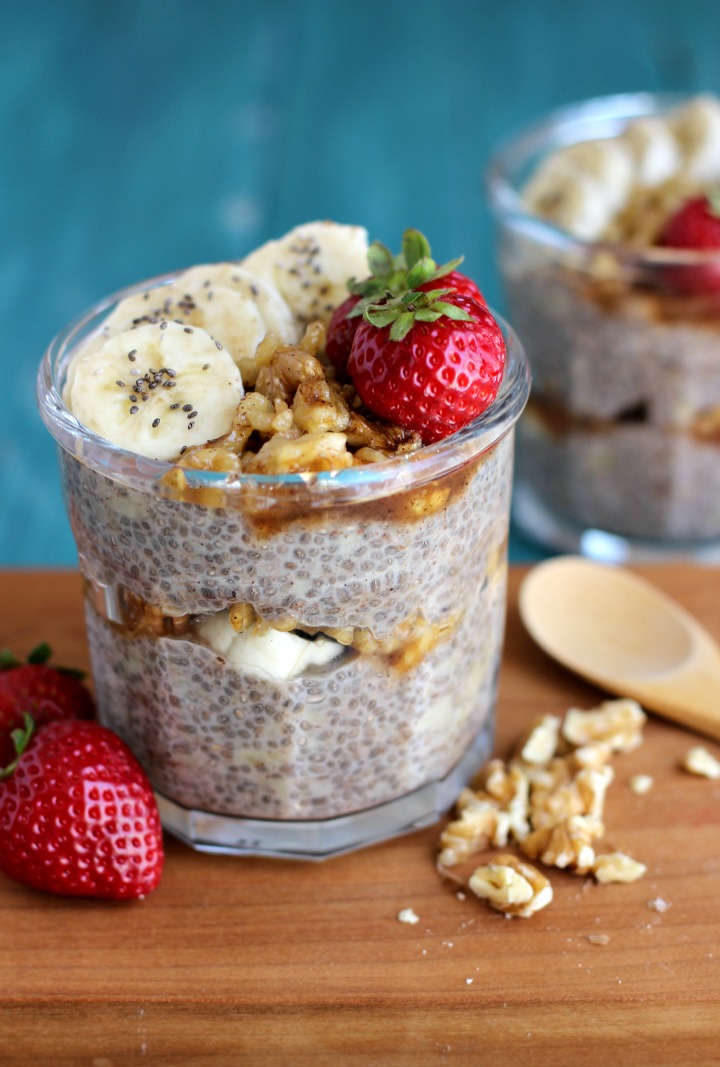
270 962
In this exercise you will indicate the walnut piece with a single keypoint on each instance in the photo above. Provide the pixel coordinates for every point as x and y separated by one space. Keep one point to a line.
541 743
617 867
511 886
568 843
698 760
618 723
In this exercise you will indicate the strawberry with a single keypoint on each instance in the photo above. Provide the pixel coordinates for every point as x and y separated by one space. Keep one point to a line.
77 814
429 361
43 691
341 333
390 275
696 225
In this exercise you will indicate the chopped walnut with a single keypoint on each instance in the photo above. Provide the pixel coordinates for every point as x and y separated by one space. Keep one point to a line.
550 805
699 761
641 784
510 787
595 755
289 367
317 408
584 794
593 784
565 844
541 743
309 453
617 867
471 833
619 723
511 886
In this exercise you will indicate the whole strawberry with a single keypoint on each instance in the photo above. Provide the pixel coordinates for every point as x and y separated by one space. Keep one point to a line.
429 361
695 226
390 276
43 691
77 814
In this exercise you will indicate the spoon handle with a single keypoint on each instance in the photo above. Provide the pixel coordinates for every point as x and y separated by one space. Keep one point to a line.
692 699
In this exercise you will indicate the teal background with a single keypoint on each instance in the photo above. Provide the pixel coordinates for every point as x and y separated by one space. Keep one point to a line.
138 137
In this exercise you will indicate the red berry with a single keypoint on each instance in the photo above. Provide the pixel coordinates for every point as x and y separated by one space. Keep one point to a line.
459 282
45 692
78 816
340 335
696 225
438 378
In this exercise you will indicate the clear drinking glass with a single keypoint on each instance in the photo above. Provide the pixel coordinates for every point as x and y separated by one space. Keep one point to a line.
405 559
618 452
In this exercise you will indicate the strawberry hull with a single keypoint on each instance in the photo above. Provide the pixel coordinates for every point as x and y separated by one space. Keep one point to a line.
399 567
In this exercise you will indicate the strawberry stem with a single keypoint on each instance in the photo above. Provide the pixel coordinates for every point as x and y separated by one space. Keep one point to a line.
390 275
40 654
21 739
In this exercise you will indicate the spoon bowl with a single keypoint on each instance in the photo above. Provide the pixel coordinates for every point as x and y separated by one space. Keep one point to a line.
624 635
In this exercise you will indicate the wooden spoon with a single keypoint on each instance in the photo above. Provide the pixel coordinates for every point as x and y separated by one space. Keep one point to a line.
623 634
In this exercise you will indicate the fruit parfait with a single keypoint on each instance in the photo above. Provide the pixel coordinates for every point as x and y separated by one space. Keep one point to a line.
609 247
288 479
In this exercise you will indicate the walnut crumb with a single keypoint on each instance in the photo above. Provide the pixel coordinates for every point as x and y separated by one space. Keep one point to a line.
407 915
617 867
641 784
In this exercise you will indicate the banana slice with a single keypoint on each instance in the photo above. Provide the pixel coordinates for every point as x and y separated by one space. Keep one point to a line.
654 149
232 304
575 202
269 654
239 309
697 129
311 266
156 388
609 161
582 186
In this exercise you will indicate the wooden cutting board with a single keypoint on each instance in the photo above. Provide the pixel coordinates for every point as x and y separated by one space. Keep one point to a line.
277 963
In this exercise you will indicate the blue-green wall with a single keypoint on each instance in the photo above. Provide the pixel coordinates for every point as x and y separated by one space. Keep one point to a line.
141 136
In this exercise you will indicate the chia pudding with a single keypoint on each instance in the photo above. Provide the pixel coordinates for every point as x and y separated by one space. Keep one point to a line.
303 660
622 432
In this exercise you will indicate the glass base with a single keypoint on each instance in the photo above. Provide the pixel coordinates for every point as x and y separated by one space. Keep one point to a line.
537 523
323 838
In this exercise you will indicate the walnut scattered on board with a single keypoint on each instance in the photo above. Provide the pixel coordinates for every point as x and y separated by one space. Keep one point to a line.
548 801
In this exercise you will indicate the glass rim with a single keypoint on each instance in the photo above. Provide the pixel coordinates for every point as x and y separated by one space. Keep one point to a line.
368 481
562 126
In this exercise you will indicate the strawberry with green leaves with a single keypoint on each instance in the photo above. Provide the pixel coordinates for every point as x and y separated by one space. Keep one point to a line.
430 359
391 276
695 226
77 813
46 692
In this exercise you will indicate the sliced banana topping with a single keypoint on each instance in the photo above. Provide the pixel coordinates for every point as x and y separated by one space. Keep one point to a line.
156 389
266 653
609 160
697 129
311 266
585 187
231 303
577 203
239 309
654 149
